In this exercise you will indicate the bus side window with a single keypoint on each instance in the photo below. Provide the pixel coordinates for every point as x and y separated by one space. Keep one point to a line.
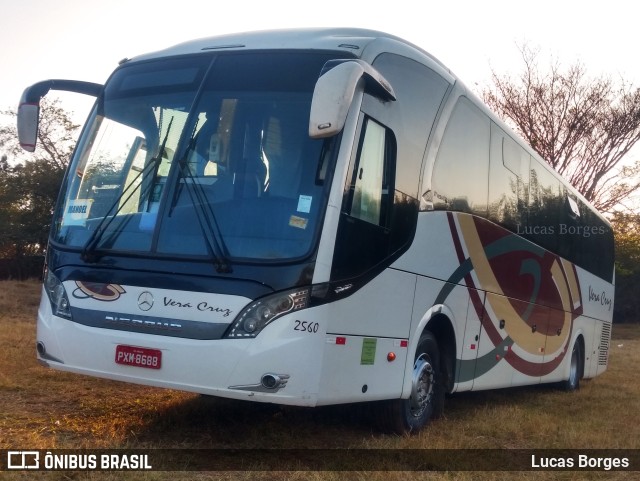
369 190
509 180
461 171
364 233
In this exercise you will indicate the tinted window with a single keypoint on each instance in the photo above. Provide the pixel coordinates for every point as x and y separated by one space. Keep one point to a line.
547 203
562 223
508 181
461 171
419 91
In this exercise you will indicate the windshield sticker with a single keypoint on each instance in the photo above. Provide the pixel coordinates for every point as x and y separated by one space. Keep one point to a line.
77 212
304 203
298 222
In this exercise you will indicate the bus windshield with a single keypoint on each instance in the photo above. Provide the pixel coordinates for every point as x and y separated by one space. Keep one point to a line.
205 155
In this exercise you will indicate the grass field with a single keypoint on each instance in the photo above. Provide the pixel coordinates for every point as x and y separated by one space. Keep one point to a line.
44 409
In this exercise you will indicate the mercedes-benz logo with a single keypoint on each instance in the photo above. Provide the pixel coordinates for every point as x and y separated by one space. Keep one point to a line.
145 301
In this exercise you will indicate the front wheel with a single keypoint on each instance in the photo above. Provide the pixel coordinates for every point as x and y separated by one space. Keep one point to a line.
427 393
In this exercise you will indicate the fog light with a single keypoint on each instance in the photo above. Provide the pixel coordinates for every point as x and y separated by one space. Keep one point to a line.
274 381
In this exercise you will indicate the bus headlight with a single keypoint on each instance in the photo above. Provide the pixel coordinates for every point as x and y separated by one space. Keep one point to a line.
57 295
258 314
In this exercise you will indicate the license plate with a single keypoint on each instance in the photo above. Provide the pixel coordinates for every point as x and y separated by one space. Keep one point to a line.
139 357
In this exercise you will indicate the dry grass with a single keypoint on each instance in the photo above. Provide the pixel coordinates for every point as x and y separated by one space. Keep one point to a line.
45 409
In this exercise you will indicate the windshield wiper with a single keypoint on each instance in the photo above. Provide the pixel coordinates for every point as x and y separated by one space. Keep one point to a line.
90 252
205 215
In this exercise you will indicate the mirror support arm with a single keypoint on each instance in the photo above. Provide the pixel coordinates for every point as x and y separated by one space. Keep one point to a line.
29 108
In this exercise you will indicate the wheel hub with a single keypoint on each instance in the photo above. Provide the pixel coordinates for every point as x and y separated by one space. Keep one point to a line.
421 386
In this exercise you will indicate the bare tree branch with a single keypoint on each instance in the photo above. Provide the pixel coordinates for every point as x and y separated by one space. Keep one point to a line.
584 128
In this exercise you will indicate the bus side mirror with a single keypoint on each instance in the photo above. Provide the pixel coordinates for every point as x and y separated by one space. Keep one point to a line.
334 93
29 107
28 120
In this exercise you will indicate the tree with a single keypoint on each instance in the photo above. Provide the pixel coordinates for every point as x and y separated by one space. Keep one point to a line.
56 137
582 127
29 183
627 234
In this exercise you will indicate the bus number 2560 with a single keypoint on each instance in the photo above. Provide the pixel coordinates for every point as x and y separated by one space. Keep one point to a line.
306 326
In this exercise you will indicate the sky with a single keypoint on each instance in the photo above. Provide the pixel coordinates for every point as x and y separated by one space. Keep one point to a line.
85 39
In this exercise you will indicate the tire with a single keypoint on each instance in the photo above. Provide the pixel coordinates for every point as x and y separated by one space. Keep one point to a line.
575 369
405 416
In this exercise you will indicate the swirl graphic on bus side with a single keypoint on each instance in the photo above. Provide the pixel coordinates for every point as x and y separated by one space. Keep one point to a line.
98 291
532 296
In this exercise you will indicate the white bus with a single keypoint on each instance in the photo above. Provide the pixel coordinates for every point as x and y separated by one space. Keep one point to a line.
315 217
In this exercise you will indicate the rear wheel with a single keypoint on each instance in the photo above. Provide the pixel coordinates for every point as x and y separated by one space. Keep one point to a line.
427 393
575 369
